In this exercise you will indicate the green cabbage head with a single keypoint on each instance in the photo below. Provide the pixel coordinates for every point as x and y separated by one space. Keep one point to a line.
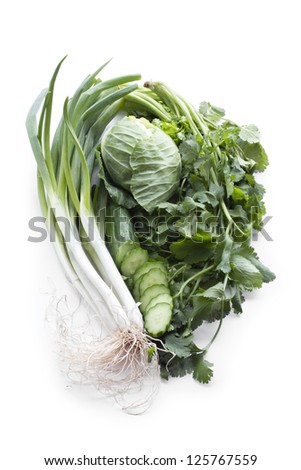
142 159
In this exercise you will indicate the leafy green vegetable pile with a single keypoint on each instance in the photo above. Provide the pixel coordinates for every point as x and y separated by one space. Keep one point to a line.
173 200
203 231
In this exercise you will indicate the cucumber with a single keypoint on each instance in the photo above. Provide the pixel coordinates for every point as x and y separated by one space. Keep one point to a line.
151 293
135 292
154 276
157 319
147 267
124 249
160 299
142 272
132 261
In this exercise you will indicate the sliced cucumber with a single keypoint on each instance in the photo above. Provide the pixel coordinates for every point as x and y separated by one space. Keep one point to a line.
160 299
147 267
151 293
154 276
157 319
124 249
132 261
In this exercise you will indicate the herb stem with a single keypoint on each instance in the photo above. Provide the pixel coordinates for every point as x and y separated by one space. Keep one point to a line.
196 285
221 317
199 273
223 204
178 271
218 328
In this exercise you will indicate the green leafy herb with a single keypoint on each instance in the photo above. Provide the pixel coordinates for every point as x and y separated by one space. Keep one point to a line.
183 183
249 134
208 223
202 370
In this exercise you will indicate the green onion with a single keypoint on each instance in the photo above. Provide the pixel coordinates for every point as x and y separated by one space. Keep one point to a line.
65 166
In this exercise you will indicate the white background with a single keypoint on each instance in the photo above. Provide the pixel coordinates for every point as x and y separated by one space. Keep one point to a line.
240 55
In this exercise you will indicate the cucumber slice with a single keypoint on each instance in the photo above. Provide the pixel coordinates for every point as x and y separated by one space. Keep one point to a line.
154 276
157 319
150 267
132 261
124 249
147 267
160 299
151 293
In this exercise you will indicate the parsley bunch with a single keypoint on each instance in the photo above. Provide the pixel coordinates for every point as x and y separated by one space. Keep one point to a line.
204 231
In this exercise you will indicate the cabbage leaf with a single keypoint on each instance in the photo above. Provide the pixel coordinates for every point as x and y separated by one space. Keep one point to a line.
142 159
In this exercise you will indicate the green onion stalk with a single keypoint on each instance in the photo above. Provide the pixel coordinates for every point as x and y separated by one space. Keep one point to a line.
120 362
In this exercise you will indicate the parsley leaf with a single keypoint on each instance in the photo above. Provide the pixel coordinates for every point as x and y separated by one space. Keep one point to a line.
207 310
202 371
237 301
249 134
223 254
244 273
255 151
215 292
249 253
181 346
189 150
191 251
178 367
